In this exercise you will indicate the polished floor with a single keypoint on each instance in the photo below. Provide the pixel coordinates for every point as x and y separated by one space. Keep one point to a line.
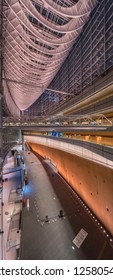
46 235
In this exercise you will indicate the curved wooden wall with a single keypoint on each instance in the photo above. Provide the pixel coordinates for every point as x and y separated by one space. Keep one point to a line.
92 181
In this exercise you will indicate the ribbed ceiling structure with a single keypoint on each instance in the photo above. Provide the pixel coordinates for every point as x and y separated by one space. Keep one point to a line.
38 35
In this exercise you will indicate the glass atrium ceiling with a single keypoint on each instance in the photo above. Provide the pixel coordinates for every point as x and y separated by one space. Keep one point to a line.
37 37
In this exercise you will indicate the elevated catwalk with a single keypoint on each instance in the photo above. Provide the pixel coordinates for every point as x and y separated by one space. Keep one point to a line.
54 216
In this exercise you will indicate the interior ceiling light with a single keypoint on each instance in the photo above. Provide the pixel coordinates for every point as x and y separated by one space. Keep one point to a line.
38 36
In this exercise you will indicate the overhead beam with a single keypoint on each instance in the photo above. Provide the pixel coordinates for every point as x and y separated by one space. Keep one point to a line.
59 91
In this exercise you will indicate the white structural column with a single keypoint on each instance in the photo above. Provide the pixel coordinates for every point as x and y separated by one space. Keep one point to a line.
38 36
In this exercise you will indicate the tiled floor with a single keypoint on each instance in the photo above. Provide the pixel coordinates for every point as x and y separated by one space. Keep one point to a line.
47 236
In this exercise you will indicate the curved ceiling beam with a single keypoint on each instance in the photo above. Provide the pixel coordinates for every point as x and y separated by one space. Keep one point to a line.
30 43
36 43
80 9
71 26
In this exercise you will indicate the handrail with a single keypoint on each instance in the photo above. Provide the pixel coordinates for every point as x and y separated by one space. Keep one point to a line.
101 150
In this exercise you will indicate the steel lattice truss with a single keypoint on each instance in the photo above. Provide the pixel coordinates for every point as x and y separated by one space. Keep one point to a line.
38 35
